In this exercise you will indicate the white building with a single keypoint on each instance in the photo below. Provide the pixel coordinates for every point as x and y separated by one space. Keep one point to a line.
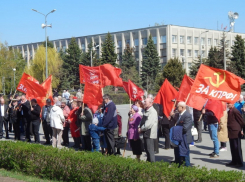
171 41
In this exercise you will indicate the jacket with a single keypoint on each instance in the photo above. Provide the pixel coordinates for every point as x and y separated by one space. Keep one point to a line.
66 112
110 116
47 117
196 115
94 131
185 120
149 123
14 114
26 109
235 123
133 124
35 113
222 131
56 117
85 120
73 127
210 118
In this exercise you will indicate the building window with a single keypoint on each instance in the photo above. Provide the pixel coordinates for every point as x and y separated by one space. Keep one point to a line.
203 54
174 38
181 39
215 42
196 40
202 41
119 43
182 52
163 39
127 41
64 49
233 43
209 41
163 52
189 66
83 47
189 40
196 53
154 40
136 54
173 52
136 42
189 52
144 41
228 43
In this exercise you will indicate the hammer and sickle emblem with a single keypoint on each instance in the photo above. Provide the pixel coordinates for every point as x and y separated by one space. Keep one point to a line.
218 83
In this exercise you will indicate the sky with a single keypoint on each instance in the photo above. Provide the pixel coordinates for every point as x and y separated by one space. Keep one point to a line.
74 18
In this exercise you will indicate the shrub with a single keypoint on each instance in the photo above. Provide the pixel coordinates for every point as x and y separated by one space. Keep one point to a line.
120 98
69 165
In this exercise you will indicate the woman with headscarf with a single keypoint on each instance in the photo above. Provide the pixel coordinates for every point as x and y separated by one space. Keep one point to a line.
132 134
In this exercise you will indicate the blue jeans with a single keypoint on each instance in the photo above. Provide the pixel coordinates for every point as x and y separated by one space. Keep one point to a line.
213 131
178 158
96 144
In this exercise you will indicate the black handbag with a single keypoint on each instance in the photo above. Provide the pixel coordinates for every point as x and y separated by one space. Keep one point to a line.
120 142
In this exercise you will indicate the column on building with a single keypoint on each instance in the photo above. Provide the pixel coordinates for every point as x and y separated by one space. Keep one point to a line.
66 43
33 51
115 42
79 43
86 44
158 42
54 43
60 44
140 48
168 43
23 51
186 52
123 43
27 55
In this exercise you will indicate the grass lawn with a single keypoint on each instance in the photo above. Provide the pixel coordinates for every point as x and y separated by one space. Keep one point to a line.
21 176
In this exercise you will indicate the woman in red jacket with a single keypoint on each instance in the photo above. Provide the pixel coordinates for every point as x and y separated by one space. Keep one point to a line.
72 118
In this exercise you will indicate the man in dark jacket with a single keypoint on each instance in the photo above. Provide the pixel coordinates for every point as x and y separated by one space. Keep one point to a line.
48 132
35 119
185 120
25 110
109 122
213 125
3 118
14 117
198 124
235 125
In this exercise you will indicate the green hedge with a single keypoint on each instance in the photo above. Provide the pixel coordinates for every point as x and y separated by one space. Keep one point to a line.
120 98
69 165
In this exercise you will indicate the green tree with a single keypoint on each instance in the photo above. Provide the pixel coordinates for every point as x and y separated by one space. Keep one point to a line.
37 67
128 60
108 51
173 71
215 58
10 59
237 64
49 43
70 78
150 64
86 56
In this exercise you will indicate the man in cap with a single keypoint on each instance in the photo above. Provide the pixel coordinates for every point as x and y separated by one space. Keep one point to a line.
35 119
48 133
66 125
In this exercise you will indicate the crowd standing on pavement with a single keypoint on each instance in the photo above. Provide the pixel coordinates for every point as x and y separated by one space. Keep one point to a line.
102 130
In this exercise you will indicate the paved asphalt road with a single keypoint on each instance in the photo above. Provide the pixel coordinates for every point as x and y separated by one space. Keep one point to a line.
199 152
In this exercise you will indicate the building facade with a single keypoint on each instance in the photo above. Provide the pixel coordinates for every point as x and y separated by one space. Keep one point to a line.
186 43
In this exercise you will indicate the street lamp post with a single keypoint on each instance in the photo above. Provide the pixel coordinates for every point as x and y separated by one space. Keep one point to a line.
45 26
201 45
14 77
91 56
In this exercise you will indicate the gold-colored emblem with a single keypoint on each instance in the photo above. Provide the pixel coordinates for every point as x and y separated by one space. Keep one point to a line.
218 82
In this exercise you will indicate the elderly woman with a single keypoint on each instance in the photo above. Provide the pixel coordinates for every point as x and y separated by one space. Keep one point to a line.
56 122
132 134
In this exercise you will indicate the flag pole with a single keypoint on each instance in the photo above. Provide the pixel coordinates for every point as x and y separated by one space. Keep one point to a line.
187 97
174 104
130 103
202 109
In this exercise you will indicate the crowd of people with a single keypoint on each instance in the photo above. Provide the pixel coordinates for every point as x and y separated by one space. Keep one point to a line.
103 129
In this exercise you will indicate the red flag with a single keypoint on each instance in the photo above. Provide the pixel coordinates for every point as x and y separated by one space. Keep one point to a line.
47 85
125 86
185 88
196 101
92 96
34 90
22 86
216 84
216 107
164 97
134 92
110 75
90 74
